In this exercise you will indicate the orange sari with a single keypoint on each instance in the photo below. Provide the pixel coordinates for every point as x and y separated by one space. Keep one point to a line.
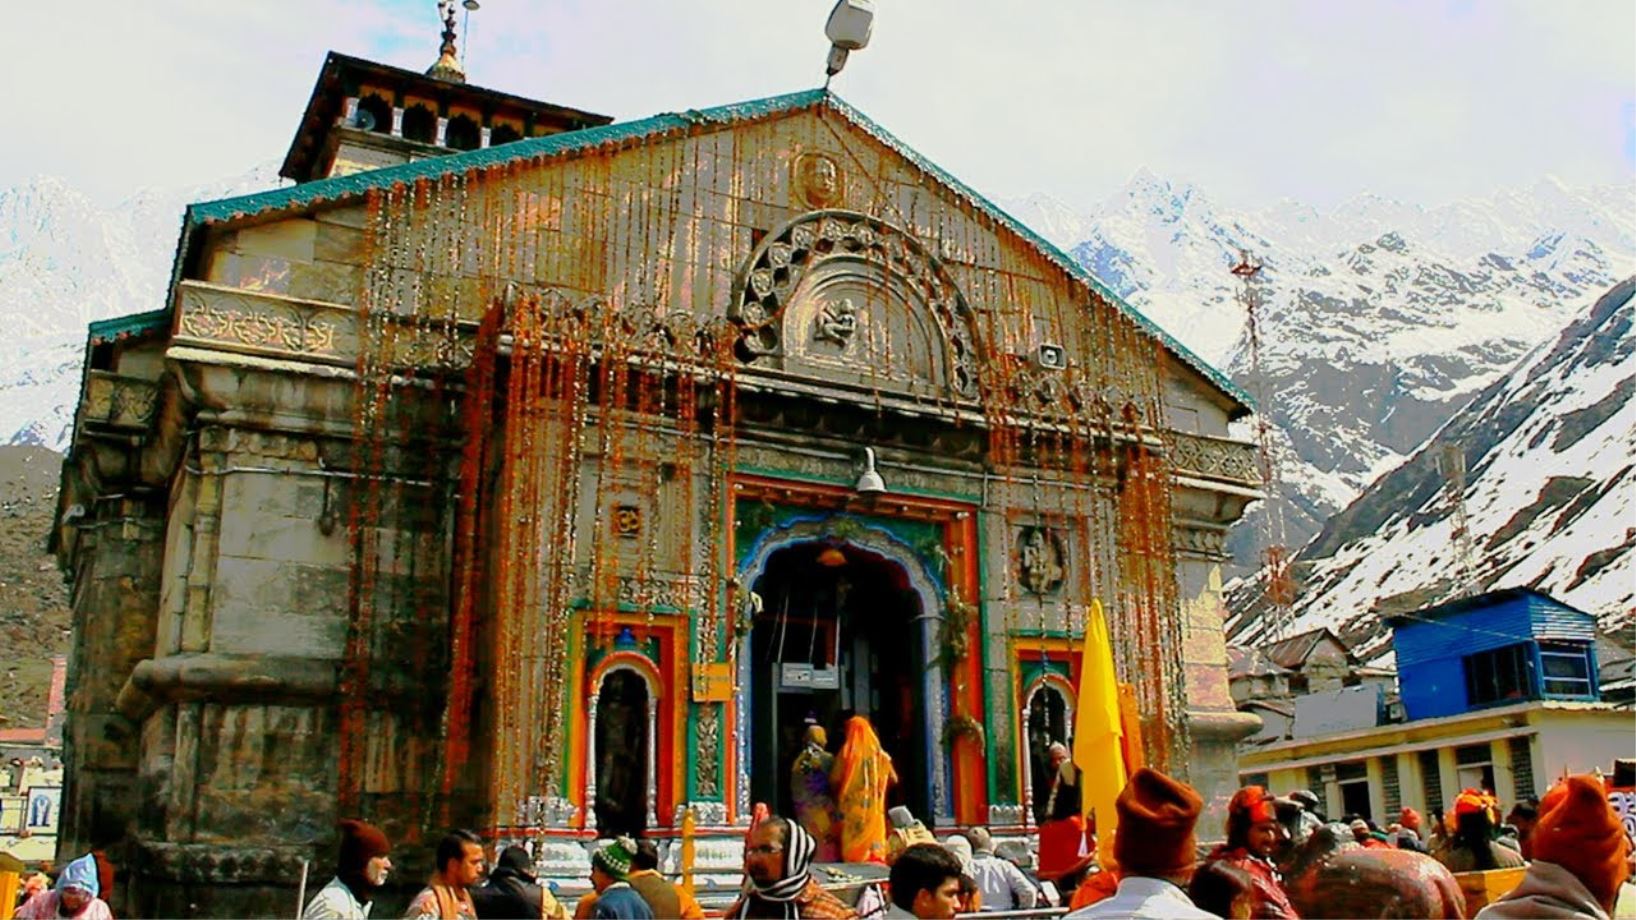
862 772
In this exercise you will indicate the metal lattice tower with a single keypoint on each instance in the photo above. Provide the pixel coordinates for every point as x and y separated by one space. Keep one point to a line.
1451 462
1275 569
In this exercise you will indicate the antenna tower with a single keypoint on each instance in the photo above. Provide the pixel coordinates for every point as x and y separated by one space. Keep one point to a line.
1275 569
1451 462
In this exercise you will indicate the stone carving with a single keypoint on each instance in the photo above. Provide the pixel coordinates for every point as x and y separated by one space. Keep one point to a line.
817 180
676 593
548 811
119 402
257 323
705 814
1005 815
837 322
1218 458
1040 560
707 772
853 251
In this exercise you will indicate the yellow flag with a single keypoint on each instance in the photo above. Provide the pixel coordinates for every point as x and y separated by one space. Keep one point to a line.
1097 751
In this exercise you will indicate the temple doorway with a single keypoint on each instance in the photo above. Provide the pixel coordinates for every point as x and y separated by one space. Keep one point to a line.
1047 723
840 632
622 715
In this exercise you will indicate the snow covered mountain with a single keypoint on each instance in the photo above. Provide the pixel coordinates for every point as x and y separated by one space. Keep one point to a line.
1379 319
66 261
1549 455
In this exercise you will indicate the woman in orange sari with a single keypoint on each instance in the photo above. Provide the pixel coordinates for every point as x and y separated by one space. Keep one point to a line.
862 772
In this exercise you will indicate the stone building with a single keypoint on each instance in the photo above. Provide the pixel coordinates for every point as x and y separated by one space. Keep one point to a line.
549 487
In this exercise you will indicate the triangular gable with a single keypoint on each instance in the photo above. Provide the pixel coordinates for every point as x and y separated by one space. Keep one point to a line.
339 190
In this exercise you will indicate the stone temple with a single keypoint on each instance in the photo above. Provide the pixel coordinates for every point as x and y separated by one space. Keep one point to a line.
525 471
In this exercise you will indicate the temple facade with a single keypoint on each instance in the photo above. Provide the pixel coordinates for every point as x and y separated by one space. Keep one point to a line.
551 482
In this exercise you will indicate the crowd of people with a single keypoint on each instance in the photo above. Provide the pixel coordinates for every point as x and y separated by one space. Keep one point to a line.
1572 849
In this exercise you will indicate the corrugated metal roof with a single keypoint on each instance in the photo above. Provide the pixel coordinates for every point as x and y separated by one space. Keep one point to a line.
346 188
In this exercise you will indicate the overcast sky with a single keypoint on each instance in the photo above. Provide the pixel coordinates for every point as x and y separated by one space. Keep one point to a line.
1421 100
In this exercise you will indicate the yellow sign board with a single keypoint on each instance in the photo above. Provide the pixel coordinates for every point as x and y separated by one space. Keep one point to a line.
712 682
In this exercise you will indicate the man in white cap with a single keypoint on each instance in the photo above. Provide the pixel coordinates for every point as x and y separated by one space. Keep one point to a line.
74 897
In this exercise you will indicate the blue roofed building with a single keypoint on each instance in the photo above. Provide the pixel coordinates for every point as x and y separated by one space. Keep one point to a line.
1501 691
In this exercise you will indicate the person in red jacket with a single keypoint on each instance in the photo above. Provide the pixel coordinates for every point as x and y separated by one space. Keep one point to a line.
1253 834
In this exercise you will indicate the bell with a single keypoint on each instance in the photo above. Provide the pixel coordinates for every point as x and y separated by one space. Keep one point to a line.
831 558
869 483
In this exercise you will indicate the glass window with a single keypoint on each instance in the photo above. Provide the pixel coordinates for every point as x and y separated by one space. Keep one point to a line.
1498 675
1567 669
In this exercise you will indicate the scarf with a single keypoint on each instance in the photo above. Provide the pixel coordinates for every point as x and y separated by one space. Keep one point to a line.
798 854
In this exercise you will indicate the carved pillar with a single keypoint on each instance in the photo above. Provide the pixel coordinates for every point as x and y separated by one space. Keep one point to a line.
588 803
349 109
653 758
397 121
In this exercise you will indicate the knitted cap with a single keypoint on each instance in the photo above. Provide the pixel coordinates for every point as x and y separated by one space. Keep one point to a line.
615 857
360 842
1579 831
1156 820
1252 805
1410 819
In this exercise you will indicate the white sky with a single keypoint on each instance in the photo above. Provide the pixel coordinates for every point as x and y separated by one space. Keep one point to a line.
1422 100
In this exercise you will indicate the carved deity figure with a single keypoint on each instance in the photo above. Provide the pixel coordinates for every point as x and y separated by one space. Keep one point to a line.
837 322
1041 568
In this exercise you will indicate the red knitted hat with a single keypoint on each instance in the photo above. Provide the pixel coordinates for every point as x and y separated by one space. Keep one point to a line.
1579 831
1410 819
360 842
1156 820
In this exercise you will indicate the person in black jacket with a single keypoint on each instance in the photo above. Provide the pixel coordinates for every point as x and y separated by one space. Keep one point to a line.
511 892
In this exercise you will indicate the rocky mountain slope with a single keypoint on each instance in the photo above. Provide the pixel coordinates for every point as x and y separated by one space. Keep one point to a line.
1549 459
34 613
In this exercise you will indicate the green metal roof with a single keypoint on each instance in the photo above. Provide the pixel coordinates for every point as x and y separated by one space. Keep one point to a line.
347 188
119 327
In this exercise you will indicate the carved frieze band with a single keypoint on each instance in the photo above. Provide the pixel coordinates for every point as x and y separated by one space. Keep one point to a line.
119 402
252 322
1215 458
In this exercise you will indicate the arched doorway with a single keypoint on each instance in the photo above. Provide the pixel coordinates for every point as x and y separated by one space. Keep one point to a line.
622 711
1047 720
840 632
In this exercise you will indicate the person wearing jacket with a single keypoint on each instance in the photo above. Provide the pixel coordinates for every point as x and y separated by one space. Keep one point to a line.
1581 858
513 893
361 867
74 897
1253 835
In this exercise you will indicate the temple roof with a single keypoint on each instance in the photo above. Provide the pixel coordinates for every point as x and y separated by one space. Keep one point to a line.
351 188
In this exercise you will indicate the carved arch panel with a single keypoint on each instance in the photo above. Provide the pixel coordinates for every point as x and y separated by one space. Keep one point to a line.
849 298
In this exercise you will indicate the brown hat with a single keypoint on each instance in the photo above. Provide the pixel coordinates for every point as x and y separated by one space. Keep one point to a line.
1579 831
360 842
1156 820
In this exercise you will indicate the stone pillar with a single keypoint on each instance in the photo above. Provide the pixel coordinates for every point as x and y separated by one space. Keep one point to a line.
1376 771
1214 724
115 605
1411 783
442 131
1505 785
397 121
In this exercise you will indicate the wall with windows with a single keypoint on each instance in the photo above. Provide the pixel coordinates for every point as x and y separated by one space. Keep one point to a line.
1494 650
1513 751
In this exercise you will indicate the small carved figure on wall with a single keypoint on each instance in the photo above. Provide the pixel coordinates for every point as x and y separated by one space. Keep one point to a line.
1040 566
837 322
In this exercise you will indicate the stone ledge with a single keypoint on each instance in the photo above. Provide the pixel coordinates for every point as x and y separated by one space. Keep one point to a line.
1229 726
225 679
218 863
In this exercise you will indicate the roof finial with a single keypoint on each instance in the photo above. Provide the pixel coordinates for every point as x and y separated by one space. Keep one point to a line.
448 56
